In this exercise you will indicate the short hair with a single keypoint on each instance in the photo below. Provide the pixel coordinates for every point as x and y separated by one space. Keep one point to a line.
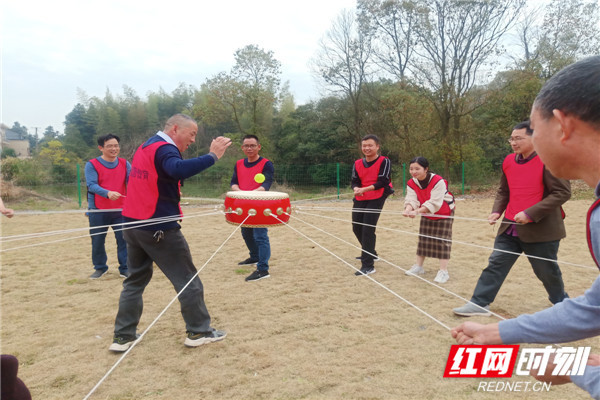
422 161
524 125
251 137
371 137
574 90
178 119
106 138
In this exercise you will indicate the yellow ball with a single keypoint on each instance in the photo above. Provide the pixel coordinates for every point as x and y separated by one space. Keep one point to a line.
259 178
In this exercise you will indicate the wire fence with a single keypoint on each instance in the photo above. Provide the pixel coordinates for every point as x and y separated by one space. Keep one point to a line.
67 181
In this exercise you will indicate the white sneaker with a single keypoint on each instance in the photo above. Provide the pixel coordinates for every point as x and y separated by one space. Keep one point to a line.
415 270
442 276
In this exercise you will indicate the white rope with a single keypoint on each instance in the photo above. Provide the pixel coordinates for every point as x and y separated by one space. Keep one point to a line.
456 241
160 314
369 277
377 210
155 221
394 265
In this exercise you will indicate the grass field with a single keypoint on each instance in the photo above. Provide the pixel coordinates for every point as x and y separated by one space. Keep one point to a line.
311 331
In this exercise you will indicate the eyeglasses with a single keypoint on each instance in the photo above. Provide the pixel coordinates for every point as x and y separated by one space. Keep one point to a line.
515 139
249 146
111 146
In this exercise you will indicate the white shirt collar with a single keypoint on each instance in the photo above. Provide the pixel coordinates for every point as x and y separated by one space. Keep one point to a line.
166 137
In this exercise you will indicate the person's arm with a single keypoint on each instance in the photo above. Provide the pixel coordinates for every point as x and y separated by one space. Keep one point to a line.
384 175
567 321
558 192
170 161
91 179
436 198
411 203
235 184
502 196
590 380
269 172
355 181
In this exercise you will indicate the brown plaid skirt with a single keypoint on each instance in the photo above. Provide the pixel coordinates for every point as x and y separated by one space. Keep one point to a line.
439 228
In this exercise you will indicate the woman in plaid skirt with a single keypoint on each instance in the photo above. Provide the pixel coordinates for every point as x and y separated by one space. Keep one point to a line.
427 194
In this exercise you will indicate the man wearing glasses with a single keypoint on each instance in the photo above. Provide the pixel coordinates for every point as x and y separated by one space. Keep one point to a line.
254 173
530 198
106 178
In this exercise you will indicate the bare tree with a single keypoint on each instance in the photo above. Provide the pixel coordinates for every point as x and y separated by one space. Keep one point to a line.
342 63
457 38
392 24
568 31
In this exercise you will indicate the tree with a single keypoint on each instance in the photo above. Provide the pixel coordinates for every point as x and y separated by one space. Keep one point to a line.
569 32
392 24
246 95
342 62
457 38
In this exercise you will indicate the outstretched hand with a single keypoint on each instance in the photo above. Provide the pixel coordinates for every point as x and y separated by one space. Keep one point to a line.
219 145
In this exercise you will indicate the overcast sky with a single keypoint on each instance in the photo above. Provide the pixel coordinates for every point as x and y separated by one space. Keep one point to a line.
51 48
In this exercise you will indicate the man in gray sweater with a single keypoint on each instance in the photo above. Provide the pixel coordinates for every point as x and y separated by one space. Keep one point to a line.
566 121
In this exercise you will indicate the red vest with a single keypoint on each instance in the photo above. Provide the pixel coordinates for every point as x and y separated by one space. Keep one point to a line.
424 195
246 175
112 179
525 182
595 257
143 184
368 176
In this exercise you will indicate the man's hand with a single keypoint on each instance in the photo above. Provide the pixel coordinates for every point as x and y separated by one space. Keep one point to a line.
474 333
114 195
219 145
522 218
493 217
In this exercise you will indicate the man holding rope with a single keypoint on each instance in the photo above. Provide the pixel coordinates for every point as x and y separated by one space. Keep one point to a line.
154 193
106 180
566 121
530 198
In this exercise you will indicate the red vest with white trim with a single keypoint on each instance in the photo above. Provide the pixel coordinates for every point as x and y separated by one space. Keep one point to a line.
368 176
143 194
111 179
525 182
246 175
424 195
595 257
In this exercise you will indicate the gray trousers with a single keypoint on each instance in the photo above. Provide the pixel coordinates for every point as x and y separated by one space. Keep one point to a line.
173 257
500 263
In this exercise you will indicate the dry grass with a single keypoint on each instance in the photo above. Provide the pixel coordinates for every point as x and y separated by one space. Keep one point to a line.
313 330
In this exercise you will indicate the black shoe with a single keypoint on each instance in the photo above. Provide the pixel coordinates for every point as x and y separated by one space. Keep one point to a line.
98 273
257 275
365 271
124 274
198 339
248 261
120 344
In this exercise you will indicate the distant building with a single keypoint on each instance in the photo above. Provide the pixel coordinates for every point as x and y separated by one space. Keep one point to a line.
16 141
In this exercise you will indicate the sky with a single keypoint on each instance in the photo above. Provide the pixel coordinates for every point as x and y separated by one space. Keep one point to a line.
50 49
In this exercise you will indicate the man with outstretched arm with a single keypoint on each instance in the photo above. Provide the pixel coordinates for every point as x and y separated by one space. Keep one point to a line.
154 193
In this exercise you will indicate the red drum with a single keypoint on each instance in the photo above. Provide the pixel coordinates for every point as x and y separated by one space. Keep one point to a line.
262 207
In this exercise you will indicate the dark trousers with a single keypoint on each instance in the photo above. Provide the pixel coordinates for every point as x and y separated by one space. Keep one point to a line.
366 212
98 235
173 257
500 263
257 241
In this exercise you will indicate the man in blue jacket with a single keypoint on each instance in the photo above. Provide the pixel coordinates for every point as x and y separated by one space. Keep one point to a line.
153 200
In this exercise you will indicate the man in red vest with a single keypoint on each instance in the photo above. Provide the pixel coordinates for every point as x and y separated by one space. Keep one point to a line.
106 179
152 206
530 198
566 120
254 173
371 183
